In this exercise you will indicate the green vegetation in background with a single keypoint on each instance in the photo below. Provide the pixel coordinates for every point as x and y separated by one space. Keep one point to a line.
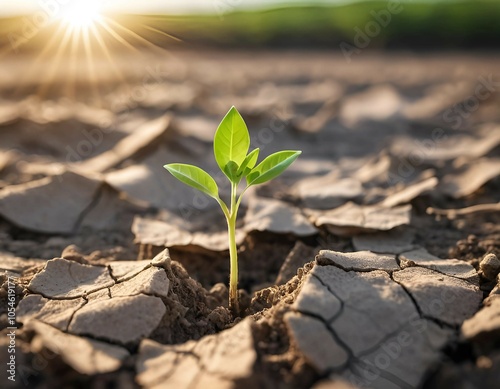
427 25
453 24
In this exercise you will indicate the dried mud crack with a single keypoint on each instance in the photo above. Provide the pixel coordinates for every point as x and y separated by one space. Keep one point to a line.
359 318
362 327
401 207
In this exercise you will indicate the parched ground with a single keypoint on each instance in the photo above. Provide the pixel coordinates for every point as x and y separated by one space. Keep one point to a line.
371 263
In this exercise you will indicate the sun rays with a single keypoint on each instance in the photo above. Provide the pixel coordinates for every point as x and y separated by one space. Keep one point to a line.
75 40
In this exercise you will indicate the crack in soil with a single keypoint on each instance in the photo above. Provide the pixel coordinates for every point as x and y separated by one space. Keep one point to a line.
414 264
342 303
357 270
440 323
74 313
89 208
332 332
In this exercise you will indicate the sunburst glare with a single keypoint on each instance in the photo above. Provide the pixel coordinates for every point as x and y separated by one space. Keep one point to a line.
74 41
82 13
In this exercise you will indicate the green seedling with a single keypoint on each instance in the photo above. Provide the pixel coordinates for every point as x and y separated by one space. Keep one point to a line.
231 144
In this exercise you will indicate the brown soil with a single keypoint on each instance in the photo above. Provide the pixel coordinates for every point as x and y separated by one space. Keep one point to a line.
349 139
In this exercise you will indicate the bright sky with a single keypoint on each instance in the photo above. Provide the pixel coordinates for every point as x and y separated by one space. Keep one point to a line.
13 7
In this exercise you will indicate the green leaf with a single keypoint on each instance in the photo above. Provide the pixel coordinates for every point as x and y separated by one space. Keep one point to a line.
248 164
231 171
272 166
231 140
195 177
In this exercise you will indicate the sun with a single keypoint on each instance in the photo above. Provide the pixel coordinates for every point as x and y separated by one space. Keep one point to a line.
82 14
83 33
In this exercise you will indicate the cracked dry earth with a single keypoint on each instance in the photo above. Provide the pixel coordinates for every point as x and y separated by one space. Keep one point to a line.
357 319
371 263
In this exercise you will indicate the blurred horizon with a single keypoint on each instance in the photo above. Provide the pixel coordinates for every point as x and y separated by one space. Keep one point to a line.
64 47
162 7
343 26
422 24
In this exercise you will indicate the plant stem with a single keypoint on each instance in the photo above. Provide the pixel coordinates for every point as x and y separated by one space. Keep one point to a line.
233 276
234 305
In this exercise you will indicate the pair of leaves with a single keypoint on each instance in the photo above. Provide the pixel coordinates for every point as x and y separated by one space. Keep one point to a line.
235 173
231 144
